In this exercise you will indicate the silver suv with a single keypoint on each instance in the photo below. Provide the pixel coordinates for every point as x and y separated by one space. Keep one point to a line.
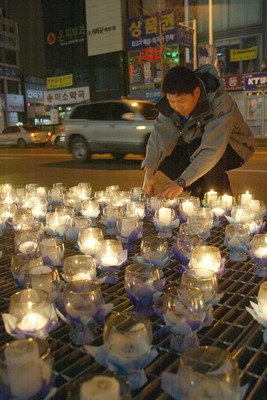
118 127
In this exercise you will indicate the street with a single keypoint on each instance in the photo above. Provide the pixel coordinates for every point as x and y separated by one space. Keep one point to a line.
48 165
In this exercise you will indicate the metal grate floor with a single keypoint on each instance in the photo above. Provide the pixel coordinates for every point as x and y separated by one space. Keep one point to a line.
233 328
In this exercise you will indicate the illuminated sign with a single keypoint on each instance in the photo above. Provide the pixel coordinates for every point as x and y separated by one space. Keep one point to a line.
67 96
59 81
67 36
243 54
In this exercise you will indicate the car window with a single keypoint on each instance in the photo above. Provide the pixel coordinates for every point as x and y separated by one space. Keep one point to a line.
117 109
99 111
11 129
30 129
80 112
148 110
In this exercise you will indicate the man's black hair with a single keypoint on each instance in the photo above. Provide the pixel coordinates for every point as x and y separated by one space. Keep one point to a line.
180 80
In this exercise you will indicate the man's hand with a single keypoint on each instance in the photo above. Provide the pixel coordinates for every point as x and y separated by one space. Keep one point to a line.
170 191
149 181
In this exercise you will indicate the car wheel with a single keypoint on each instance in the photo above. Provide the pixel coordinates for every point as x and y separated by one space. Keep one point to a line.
79 150
118 156
21 144
57 142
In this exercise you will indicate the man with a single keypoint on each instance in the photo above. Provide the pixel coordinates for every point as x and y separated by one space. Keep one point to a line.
198 135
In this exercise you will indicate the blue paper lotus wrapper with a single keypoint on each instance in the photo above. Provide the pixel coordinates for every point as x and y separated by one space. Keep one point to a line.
110 224
170 385
60 232
134 236
183 217
261 264
219 221
130 369
184 333
209 316
259 317
165 230
80 332
160 263
10 323
179 255
143 295
72 233
238 249
149 212
254 227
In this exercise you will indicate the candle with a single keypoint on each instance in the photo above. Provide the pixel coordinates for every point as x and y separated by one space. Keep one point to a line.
40 277
245 198
109 259
79 267
227 201
188 207
32 322
205 257
100 388
28 247
218 212
130 345
260 252
23 368
211 196
207 262
165 215
127 226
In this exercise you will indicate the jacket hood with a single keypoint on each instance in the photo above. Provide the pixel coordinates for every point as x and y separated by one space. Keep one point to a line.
210 83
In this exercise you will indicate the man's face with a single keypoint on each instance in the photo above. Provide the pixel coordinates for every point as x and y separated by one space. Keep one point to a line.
184 104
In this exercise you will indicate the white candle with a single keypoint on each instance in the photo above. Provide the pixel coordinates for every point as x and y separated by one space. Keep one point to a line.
56 194
188 207
32 322
165 215
28 247
245 198
211 196
81 276
218 211
108 260
206 262
130 345
41 278
227 200
100 388
23 368
261 252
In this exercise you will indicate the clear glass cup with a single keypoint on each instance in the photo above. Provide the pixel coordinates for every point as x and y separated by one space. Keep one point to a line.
26 242
26 367
242 214
128 335
137 208
206 257
31 309
205 280
112 212
108 252
189 205
82 299
41 277
187 242
22 217
79 267
52 251
126 225
208 373
88 238
237 238
154 248
141 274
20 262
165 215
67 210
90 208
258 245
262 298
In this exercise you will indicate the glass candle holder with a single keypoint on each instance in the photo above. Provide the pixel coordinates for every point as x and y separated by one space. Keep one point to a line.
101 197
137 208
57 222
20 262
83 190
208 372
226 201
204 216
31 309
100 386
237 237
154 248
7 212
112 212
258 245
218 208
81 222
108 252
39 209
262 298
41 277
8 197
55 195
126 225
66 210
205 280
210 196
52 251
137 193
42 192
26 242
90 208
82 299
88 238
128 335
257 207
184 303
242 214
71 199
193 228
22 217
206 257
187 242
189 205
165 215
154 203
59 185
26 366
79 267
32 187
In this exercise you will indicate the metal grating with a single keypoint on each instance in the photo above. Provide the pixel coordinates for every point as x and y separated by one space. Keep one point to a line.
233 328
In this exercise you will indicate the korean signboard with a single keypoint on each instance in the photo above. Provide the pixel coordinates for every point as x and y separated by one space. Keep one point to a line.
34 93
233 82
8 41
67 96
243 54
104 26
150 30
66 36
255 81
9 72
59 81
13 102
153 95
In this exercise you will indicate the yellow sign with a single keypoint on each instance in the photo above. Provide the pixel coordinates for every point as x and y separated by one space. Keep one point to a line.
243 54
59 81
